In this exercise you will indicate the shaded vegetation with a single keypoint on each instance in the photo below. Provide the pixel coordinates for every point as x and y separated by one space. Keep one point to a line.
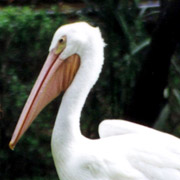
24 39
153 79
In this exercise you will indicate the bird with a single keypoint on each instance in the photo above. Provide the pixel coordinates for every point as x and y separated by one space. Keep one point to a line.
125 150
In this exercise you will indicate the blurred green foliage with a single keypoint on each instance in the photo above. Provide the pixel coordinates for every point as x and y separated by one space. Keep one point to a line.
25 36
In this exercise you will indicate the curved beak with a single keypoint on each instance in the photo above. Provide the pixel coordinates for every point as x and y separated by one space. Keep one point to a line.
55 77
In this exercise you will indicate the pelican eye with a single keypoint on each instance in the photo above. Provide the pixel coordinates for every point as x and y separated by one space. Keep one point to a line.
61 45
62 40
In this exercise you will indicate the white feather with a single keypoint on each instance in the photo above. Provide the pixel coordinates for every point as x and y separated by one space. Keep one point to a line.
127 151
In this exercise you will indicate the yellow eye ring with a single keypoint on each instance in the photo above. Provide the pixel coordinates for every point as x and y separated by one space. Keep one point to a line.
62 40
60 45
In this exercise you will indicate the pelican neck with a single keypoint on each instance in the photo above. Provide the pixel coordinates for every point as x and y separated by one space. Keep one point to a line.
67 125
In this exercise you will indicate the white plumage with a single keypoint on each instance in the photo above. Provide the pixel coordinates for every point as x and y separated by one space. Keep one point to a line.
125 151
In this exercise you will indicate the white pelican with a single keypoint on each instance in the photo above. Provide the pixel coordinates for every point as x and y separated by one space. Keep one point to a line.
125 151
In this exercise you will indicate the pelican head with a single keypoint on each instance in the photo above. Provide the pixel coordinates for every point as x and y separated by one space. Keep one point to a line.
76 37
68 46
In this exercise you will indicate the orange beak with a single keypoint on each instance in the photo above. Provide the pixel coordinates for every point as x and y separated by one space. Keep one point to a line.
55 77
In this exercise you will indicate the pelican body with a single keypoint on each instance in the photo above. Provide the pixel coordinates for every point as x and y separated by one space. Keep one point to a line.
125 151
